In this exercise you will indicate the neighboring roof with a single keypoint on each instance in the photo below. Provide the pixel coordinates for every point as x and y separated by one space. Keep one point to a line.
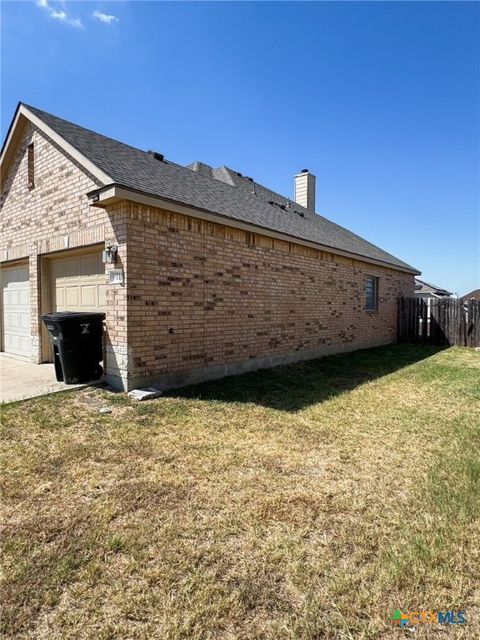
473 295
424 287
221 191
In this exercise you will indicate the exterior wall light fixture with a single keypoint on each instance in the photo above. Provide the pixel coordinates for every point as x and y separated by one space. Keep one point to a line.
109 255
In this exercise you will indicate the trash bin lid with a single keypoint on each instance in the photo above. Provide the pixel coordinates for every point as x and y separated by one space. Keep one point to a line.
58 316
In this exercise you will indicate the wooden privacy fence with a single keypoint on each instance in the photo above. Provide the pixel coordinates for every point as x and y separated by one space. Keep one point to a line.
441 321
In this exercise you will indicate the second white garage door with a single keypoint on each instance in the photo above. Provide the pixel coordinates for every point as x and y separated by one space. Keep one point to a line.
78 283
16 310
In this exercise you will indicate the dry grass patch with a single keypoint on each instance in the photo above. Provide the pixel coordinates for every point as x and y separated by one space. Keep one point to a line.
301 503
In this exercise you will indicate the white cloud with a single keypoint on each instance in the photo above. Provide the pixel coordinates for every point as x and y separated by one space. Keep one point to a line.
59 15
76 22
104 17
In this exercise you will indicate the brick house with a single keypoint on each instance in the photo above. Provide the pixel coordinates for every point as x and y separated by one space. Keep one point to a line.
214 273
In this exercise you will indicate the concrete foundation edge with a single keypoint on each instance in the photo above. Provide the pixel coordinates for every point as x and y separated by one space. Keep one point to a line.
172 380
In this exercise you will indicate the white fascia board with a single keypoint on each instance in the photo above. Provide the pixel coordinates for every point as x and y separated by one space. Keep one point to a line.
114 193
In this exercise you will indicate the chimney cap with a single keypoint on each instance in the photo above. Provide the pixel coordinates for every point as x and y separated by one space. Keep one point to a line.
304 171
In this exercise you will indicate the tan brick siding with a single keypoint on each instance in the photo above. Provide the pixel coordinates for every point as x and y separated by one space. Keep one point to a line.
202 294
53 216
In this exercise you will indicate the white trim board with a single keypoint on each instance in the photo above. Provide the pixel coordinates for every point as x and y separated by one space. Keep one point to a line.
114 193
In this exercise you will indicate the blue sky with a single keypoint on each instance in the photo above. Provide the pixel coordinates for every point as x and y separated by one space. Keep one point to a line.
379 99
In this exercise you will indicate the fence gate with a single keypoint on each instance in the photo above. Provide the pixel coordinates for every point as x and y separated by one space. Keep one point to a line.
441 321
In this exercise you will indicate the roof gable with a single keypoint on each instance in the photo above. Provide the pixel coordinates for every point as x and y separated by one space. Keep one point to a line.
23 114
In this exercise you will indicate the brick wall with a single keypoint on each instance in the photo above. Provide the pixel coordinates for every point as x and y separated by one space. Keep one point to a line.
204 295
53 216
54 207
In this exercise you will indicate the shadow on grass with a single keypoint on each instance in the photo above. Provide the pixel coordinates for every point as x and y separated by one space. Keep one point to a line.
293 387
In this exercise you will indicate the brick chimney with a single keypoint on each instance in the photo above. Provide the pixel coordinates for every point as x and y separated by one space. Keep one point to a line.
305 189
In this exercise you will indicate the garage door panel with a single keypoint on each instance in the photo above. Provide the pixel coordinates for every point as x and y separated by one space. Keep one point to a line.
72 297
24 323
57 269
91 265
102 296
59 301
79 283
16 276
16 310
73 268
89 295
17 345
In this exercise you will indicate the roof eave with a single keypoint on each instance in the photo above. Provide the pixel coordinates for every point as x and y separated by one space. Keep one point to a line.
114 192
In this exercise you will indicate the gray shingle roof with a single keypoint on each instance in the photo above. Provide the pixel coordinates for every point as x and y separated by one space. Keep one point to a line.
221 191
426 287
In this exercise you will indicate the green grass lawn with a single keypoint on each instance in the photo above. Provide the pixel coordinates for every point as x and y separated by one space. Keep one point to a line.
306 502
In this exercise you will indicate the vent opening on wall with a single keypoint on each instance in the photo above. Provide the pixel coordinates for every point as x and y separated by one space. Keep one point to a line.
31 165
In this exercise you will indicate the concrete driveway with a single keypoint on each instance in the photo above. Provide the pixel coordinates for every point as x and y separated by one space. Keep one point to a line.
20 379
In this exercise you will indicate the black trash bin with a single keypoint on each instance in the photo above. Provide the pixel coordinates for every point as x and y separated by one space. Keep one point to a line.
77 339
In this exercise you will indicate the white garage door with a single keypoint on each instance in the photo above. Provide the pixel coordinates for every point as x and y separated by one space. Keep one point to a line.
16 311
78 283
